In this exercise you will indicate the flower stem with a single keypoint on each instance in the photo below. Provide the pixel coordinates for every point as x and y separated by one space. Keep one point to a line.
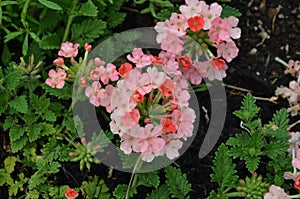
295 196
70 20
133 177
235 194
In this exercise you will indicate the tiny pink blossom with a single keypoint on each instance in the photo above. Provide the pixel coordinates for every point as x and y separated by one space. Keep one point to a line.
216 69
157 78
178 24
152 142
196 73
162 29
227 50
294 68
56 79
98 62
68 50
58 61
172 44
235 32
83 81
219 30
130 140
106 101
139 82
131 118
95 74
209 13
276 193
95 93
87 47
110 73
192 8
139 58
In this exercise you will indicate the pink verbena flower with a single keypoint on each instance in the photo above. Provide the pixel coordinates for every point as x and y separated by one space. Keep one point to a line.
171 147
235 32
178 24
98 62
192 8
227 50
139 58
219 30
152 142
196 73
157 78
138 82
196 23
58 61
294 68
70 193
68 50
172 44
216 69
183 119
109 73
131 118
130 140
162 29
95 93
56 79
209 13
294 92
106 101
276 192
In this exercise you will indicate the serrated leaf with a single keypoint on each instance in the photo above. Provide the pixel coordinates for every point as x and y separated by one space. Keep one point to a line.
40 104
228 11
9 122
224 169
11 36
161 193
148 179
121 189
32 194
88 9
50 21
177 183
64 93
278 127
276 149
19 104
50 4
165 14
12 80
34 132
16 132
88 30
52 149
49 116
114 19
51 41
248 110
18 144
48 129
9 164
252 163
5 178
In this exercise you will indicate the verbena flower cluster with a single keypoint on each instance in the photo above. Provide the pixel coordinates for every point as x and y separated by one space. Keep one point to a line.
148 96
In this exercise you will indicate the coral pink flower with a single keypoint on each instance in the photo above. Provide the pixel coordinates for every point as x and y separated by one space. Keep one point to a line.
108 73
192 8
216 69
185 61
71 194
139 58
209 13
137 97
68 50
58 61
87 47
124 69
151 142
95 93
276 193
131 118
178 24
167 87
167 126
297 182
227 50
219 30
172 44
156 61
196 73
98 62
95 74
106 101
196 23
56 79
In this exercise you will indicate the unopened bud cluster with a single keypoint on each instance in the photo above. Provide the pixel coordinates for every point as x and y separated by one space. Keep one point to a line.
253 188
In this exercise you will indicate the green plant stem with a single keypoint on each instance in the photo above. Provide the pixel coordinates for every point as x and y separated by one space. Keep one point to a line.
235 194
133 178
70 20
295 196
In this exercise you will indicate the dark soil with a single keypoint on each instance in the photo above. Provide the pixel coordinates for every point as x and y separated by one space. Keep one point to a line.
254 69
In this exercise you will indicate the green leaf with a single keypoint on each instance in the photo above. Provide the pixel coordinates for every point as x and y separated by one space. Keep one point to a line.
11 36
276 149
5 3
19 104
277 129
50 5
51 21
48 129
177 183
25 45
96 188
88 9
5 178
16 132
49 116
252 163
121 189
35 37
9 164
228 11
165 14
51 41
32 194
52 149
40 104
18 144
148 179
64 93
161 193
6 55
12 79
249 110
115 19
34 132
9 122
224 169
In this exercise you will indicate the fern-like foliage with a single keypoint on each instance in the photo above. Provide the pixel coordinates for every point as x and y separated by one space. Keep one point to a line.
228 11
162 193
248 110
224 172
95 188
177 183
